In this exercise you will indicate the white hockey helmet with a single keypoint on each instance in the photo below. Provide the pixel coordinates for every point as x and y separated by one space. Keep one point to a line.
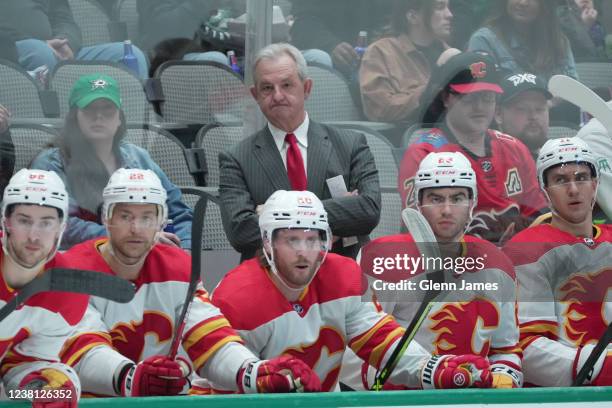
36 187
134 186
445 169
293 209
564 150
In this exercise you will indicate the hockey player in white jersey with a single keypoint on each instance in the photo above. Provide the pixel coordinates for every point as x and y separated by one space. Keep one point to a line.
122 349
297 299
34 211
564 272
473 321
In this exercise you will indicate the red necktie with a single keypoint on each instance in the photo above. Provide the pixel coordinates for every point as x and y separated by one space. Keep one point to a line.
295 164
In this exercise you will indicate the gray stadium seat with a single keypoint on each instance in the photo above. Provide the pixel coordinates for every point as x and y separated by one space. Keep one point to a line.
93 21
29 140
201 92
390 214
595 74
382 151
135 104
212 140
330 98
19 92
165 149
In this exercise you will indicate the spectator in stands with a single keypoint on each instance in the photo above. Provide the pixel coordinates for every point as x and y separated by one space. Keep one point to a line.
468 16
580 23
160 21
522 111
333 26
90 148
45 33
7 150
463 108
525 35
293 152
395 69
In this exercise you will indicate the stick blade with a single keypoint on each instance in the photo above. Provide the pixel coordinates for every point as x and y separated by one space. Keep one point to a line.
582 96
91 283
421 232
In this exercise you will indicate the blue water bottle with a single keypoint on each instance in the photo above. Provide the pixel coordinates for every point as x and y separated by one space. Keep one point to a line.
129 59
169 227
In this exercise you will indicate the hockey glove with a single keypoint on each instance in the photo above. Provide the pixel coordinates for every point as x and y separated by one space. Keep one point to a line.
51 389
506 377
461 371
157 375
280 374
601 373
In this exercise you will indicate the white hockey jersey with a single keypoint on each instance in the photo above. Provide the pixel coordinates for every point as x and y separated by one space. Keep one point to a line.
145 326
329 316
564 304
475 313
32 336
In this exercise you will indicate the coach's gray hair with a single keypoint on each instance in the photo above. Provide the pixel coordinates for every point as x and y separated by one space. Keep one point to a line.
274 51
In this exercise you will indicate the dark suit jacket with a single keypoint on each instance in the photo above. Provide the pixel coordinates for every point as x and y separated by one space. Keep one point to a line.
253 169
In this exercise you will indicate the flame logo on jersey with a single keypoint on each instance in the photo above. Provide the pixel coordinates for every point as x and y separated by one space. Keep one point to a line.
457 324
313 355
129 338
7 343
585 296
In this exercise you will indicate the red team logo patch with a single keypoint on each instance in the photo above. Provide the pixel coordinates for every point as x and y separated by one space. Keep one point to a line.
129 339
585 296
456 323
478 70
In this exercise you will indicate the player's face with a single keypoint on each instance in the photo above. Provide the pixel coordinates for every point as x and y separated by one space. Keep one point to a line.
523 11
280 93
470 113
447 210
297 254
99 120
132 229
526 117
33 231
572 190
441 20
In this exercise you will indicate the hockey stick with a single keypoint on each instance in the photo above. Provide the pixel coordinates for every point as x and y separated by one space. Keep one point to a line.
426 243
76 281
599 348
580 95
197 227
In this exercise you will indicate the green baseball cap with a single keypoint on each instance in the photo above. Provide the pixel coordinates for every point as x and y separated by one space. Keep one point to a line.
89 88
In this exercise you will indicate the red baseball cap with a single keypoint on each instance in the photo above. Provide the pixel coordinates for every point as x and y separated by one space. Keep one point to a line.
470 72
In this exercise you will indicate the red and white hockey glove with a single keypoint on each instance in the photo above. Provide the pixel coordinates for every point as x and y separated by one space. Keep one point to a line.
157 375
601 373
280 374
51 388
450 371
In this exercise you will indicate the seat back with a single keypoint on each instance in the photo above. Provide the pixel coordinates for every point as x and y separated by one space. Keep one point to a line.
19 92
165 150
201 92
213 140
330 98
29 140
595 74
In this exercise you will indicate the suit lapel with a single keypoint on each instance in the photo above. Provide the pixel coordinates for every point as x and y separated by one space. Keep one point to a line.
319 151
270 161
